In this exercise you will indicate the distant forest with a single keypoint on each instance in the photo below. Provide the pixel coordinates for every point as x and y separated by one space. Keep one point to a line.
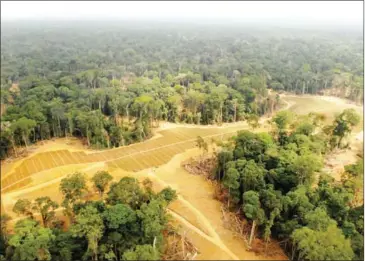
111 82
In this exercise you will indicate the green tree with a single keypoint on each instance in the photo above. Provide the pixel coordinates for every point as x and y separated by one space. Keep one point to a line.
202 144
268 225
58 114
168 194
118 215
23 207
329 244
252 176
124 226
89 224
46 207
282 120
305 166
101 180
153 219
231 180
142 252
73 188
4 220
318 219
253 211
24 126
253 121
30 241
344 123
8 133
126 191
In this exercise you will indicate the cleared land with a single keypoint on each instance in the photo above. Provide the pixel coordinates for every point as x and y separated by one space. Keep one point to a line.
152 153
195 210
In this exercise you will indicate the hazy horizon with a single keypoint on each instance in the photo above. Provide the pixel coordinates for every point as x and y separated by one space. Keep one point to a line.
324 13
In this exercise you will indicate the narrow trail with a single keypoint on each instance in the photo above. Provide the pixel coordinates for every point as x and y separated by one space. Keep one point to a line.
214 237
216 242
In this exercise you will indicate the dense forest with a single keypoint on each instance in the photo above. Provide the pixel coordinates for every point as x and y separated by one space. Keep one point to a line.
111 82
276 181
128 223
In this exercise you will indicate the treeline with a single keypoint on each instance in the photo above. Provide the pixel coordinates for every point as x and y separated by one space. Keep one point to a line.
111 113
127 224
276 181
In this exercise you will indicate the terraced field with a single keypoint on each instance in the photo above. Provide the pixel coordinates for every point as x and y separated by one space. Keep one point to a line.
152 153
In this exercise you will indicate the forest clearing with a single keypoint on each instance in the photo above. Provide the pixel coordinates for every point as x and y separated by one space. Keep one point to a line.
212 137
195 209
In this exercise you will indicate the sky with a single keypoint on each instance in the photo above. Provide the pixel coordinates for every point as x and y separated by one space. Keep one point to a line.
323 12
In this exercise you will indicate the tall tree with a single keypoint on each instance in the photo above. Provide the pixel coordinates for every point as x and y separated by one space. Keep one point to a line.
88 223
344 123
23 207
46 207
253 211
101 180
24 126
73 188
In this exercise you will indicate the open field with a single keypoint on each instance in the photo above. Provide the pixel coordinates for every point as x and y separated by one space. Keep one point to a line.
329 106
195 210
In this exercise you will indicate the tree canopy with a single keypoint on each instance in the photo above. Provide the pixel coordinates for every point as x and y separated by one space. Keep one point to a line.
117 228
276 182
112 83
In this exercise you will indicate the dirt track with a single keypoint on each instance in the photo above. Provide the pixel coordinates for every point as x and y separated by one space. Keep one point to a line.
195 210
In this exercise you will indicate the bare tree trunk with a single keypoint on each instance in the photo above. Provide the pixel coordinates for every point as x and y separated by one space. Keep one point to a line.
54 130
59 125
339 142
123 142
252 232
292 252
13 145
127 113
221 118
235 111
25 141
87 136
266 243
296 85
